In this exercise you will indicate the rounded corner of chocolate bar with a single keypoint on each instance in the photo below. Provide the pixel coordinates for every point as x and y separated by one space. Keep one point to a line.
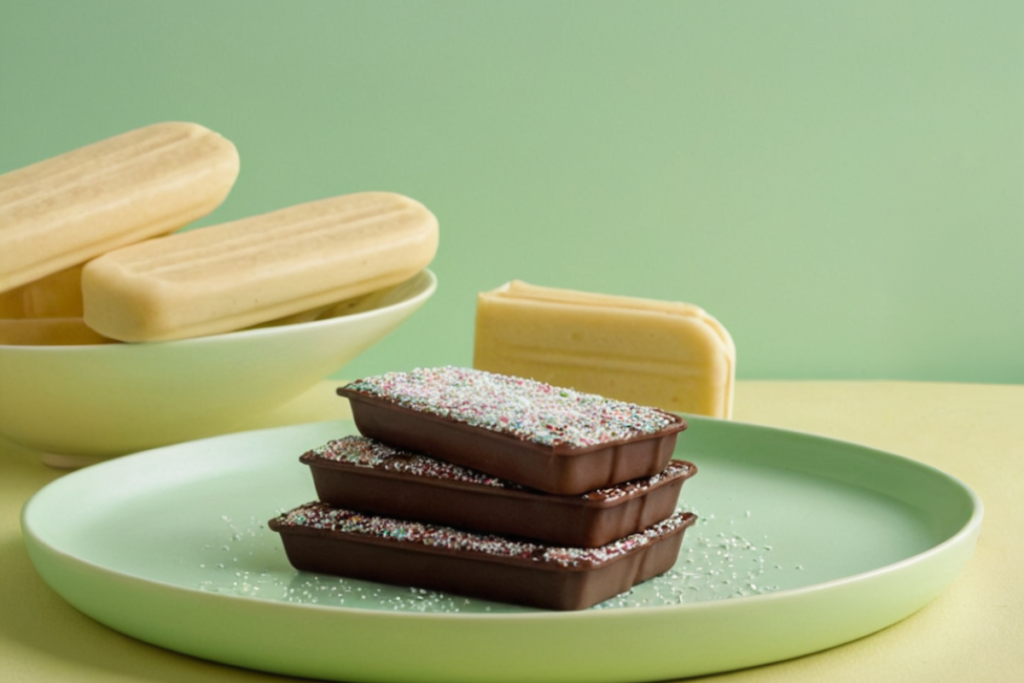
689 470
679 423
347 393
688 520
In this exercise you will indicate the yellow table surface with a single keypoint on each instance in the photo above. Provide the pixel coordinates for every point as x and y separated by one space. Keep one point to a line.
972 632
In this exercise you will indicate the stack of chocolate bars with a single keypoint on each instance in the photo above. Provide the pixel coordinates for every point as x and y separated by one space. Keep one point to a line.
493 486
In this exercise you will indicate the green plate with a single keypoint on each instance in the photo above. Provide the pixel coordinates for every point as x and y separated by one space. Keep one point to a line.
804 543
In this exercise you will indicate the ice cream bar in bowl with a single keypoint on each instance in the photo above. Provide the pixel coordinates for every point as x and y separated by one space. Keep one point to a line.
135 338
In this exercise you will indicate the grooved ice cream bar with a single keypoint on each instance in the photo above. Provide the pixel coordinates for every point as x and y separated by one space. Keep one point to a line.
48 332
234 275
58 295
319 538
669 354
553 439
66 210
363 474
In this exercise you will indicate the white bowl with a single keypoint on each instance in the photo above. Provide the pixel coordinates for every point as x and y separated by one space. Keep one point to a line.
107 400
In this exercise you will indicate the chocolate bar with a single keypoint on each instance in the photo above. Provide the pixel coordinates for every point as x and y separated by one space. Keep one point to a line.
552 439
362 474
319 538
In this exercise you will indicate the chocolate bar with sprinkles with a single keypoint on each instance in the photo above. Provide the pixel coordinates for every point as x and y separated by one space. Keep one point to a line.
552 439
319 538
363 474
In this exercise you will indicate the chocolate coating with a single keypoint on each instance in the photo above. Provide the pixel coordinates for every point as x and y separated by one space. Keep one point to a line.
362 474
335 541
541 455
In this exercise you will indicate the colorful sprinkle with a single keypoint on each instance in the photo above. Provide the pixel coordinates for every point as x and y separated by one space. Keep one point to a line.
529 410
363 452
372 454
319 516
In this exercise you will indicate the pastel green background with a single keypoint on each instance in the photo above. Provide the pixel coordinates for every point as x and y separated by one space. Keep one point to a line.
841 184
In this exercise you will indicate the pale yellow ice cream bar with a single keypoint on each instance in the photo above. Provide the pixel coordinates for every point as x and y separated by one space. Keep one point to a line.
235 275
48 332
671 355
12 304
63 211
55 296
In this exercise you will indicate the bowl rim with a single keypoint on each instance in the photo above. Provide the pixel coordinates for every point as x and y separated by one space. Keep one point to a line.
422 291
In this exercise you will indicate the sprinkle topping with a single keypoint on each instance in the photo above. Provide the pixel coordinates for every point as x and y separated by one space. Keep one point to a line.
529 410
338 520
370 453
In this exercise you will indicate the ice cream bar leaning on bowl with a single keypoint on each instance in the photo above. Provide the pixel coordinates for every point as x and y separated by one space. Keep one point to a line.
238 274
61 212
63 390
58 213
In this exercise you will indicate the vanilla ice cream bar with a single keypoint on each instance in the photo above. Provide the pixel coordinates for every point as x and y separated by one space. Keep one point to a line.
47 312
48 332
11 304
235 275
666 354
63 211
55 296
